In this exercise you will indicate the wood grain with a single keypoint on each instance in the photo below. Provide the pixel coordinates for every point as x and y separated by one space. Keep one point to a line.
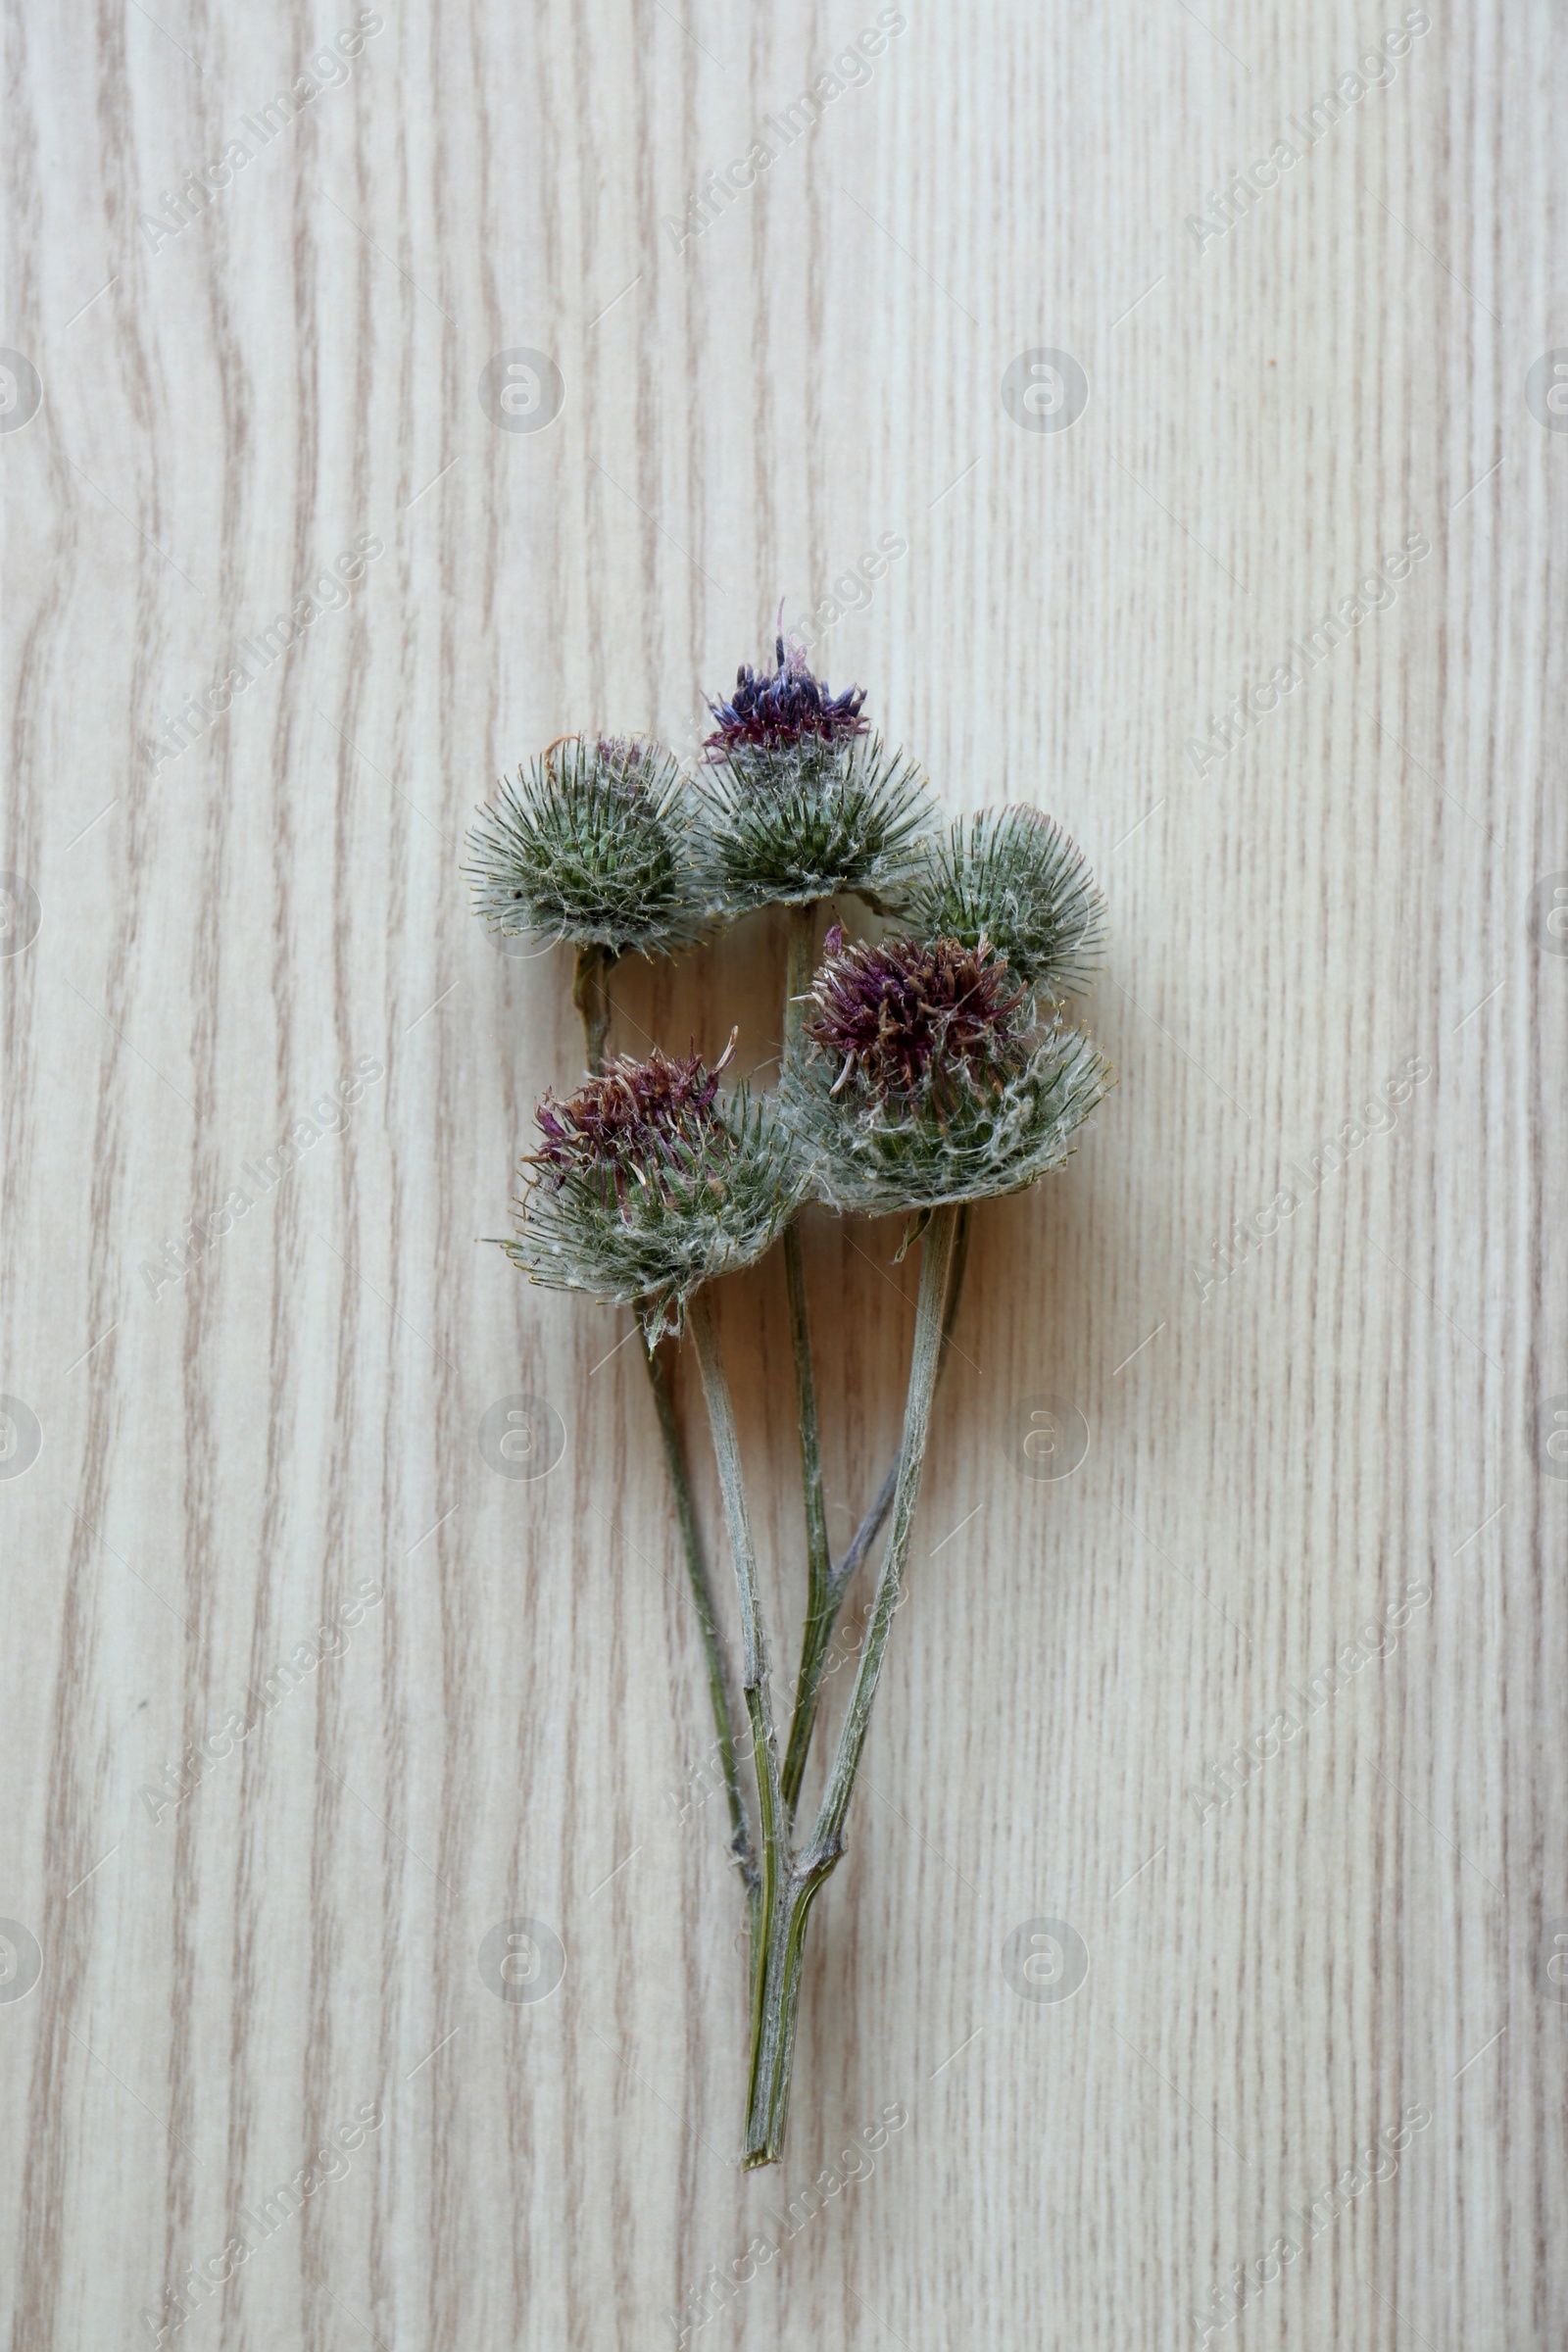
514 1728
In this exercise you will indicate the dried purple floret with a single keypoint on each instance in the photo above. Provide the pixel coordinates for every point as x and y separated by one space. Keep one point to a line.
638 1115
778 712
911 1014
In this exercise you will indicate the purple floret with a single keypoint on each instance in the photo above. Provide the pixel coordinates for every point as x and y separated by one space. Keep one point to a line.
911 1015
790 706
638 1113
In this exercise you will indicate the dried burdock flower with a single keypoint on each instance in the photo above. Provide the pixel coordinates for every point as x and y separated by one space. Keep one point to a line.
654 1110
911 1014
788 829
784 710
597 843
1014 876
802 802
648 1183
928 1078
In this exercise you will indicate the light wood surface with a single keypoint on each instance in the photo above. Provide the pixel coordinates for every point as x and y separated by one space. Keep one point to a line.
515 1726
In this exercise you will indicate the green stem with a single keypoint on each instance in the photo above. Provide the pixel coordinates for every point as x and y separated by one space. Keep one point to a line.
591 996
701 1596
777 1875
789 1895
798 979
820 1607
818 1558
778 2001
802 956
821 1621
826 1841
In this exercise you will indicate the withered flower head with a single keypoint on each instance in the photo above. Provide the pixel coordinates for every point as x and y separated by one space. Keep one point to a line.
1011 875
639 1115
909 1015
928 1076
778 712
597 843
647 1183
802 800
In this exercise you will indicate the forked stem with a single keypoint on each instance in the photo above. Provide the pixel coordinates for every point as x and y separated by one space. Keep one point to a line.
820 1606
826 1841
791 1882
821 1621
703 1597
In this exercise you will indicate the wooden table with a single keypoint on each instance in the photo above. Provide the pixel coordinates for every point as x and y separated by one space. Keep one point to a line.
1213 1822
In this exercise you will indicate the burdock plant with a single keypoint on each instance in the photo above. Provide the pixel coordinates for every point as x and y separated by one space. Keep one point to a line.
924 1070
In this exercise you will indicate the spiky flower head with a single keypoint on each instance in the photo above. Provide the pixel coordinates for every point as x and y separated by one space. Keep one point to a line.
648 1183
928 1076
1012 877
632 1111
783 711
802 800
914 1015
597 843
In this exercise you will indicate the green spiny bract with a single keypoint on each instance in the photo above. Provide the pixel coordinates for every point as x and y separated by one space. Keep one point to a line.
648 1183
928 1077
792 823
598 842
1012 877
